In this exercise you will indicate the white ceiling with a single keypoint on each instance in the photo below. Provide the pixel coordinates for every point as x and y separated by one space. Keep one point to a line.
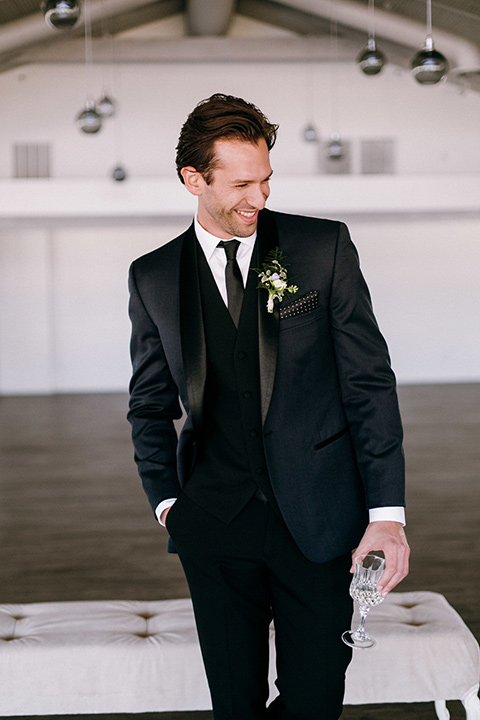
229 31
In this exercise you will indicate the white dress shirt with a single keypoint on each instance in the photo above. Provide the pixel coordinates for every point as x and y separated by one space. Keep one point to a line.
217 261
217 258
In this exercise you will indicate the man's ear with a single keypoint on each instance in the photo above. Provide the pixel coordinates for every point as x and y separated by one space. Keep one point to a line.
193 180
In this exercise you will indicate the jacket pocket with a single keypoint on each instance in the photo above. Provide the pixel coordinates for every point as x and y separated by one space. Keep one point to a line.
331 439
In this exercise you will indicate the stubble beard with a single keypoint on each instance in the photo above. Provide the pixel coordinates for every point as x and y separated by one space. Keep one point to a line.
229 222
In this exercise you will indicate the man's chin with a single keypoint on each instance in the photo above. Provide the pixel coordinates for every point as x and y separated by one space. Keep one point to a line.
245 232
243 229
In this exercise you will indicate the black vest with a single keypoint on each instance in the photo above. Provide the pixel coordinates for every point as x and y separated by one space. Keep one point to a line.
230 464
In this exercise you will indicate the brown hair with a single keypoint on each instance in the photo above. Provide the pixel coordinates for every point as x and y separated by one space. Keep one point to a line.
216 118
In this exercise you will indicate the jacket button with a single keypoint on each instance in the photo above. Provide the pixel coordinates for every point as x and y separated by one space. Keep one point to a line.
247 395
253 433
260 470
242 355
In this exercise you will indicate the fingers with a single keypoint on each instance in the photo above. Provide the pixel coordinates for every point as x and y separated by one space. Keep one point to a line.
390 538
396 567
164 514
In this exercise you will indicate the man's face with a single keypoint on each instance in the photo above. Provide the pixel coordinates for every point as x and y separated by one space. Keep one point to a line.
239 188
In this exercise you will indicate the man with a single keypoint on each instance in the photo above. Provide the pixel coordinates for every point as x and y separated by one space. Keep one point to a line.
292 434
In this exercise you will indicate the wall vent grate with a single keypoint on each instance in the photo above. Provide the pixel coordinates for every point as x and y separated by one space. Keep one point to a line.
31 160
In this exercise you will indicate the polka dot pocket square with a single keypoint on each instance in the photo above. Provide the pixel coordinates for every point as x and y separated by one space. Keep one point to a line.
300 306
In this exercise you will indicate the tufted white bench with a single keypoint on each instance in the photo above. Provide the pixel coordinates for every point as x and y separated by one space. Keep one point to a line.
138 657
424 652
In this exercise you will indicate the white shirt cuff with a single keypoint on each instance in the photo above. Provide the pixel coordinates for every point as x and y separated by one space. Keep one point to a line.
390 514
163 506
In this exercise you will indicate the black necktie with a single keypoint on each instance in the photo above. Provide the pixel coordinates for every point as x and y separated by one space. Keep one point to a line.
233 278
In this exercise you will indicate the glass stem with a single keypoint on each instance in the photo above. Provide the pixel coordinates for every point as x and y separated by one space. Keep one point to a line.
360 631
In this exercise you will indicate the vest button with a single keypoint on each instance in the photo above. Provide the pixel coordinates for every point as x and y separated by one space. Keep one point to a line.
242 355
260 470
247 395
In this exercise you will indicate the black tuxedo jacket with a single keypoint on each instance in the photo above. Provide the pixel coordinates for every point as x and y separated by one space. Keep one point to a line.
331 425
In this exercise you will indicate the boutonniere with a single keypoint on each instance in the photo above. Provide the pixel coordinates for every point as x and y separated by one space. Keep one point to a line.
273 277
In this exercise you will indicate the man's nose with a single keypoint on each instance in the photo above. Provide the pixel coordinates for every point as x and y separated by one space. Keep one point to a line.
258 196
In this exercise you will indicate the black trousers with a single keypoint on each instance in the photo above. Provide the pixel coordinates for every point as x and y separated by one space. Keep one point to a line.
242 575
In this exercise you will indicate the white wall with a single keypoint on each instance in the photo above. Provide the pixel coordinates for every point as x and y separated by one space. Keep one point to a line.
436 128
424 276
63 306
63 300
63 297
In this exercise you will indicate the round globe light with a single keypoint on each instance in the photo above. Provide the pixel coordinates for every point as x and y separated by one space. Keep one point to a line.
61 14
89 121
428 65
105 106
310 133
371 60
119 174
335 148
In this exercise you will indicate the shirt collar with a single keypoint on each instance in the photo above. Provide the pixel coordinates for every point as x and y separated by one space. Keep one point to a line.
209 242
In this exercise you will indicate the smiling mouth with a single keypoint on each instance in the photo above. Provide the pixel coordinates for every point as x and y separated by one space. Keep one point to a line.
247 214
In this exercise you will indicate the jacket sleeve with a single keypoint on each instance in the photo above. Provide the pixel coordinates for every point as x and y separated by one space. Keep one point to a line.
154 404
367 382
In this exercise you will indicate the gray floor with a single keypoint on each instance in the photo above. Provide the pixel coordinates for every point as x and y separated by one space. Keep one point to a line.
74 524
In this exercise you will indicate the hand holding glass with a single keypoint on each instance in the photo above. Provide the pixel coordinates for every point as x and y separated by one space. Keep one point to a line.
363 589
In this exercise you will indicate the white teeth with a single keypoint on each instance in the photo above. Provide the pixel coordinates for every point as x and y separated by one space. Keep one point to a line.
246 214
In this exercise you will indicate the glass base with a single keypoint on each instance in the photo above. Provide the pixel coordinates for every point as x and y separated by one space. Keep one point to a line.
362 641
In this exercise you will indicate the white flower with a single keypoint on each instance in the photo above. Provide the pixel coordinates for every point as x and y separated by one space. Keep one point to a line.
273 277
278 283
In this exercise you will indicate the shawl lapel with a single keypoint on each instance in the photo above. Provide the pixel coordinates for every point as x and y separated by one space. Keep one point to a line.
268 323
194 351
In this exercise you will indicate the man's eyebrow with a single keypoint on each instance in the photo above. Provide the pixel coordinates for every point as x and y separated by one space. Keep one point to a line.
239 181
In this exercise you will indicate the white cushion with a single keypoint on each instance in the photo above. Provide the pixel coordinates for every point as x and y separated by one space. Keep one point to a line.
139 657
100 657
424 652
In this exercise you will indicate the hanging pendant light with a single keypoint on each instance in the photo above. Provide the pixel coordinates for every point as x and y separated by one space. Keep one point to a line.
89 119
428 65
335 147
371 60
61 14
106 106
119 174
310 133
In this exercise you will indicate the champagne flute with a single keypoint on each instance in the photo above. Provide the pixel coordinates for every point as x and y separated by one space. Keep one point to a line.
363 589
